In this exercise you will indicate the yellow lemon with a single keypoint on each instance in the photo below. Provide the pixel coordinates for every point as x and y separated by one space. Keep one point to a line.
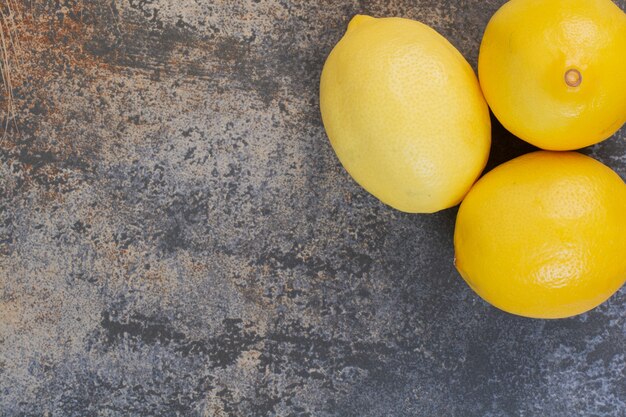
544 235
554 72
405 114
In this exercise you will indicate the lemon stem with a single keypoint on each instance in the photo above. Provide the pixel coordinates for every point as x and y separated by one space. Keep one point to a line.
573 78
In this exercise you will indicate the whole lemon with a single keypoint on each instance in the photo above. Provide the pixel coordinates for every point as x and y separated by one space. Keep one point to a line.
405 114
554 72
544 235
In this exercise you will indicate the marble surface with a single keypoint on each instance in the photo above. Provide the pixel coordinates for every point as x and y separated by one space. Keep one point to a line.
177 237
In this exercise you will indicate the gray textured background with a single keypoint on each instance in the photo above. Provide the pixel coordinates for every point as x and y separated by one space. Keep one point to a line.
178 238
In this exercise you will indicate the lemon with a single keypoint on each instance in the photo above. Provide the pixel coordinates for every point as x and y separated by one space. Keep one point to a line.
405 114
554 72
544 235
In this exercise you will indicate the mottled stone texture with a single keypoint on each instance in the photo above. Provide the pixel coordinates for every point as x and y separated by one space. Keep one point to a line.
178 238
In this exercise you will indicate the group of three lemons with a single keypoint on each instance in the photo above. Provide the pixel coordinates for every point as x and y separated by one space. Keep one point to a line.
543 235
